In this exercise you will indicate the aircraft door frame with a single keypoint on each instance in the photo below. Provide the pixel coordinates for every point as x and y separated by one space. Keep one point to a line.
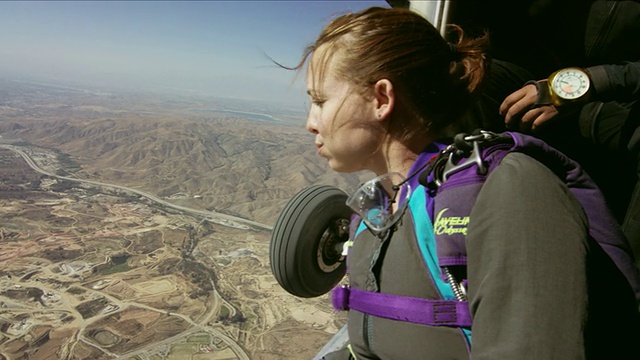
437 12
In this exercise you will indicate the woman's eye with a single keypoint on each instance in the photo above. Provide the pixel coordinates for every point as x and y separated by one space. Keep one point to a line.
318 102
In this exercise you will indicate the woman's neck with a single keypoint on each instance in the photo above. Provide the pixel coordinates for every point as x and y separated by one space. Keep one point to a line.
398 157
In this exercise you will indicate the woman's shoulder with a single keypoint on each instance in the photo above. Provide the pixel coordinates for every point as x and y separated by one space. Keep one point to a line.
522 187
521 171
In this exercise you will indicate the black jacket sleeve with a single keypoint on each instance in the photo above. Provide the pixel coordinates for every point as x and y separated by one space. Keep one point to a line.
616 82
612 116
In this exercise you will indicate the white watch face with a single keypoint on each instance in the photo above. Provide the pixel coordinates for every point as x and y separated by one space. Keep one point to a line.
570 84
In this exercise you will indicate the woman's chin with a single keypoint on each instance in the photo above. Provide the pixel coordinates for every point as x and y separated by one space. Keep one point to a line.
340 167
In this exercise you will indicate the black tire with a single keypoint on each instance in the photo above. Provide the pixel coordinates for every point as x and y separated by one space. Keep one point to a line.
306 242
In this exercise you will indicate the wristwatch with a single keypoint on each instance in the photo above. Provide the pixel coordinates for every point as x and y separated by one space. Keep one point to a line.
563 87
569 84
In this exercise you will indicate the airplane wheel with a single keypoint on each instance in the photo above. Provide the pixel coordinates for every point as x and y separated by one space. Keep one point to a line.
306 242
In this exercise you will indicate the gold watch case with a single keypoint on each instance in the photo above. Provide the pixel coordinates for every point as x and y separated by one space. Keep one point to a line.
569 85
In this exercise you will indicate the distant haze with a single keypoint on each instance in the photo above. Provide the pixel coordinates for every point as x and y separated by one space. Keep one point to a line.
216 48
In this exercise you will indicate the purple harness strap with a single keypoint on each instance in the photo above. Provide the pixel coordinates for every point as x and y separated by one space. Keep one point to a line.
403 308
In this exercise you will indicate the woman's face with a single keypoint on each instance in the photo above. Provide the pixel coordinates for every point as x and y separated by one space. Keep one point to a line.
348 132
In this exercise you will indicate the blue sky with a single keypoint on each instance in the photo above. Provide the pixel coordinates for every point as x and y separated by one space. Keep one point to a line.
211 47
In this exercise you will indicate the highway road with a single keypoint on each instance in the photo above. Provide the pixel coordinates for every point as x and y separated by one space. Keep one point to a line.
205 213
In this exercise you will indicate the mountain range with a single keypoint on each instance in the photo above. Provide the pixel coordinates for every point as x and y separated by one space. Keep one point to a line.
204 153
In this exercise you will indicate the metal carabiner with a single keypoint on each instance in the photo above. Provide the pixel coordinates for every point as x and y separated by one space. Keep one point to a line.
475 158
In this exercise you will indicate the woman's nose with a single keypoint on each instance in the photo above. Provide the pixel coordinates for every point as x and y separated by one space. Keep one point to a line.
312 124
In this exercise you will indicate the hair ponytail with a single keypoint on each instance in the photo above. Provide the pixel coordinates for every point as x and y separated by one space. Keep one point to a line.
470 61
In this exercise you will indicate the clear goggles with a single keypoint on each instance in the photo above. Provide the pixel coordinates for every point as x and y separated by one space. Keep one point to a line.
381 201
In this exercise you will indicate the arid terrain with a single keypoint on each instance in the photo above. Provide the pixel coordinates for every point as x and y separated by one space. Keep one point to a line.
93 268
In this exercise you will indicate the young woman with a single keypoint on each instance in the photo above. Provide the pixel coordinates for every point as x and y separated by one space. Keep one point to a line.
384 86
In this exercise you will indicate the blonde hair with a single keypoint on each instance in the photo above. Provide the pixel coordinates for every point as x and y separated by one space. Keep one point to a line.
437 81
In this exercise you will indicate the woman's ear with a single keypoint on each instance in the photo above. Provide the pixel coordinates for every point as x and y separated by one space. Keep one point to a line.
384 98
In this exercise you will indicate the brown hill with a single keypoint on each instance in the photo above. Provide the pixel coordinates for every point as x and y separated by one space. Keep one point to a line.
167 146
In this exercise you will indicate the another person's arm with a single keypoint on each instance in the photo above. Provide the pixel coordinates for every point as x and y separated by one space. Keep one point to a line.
612 82
616 82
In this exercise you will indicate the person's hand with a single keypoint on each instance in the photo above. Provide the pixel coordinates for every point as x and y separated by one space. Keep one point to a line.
519 111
